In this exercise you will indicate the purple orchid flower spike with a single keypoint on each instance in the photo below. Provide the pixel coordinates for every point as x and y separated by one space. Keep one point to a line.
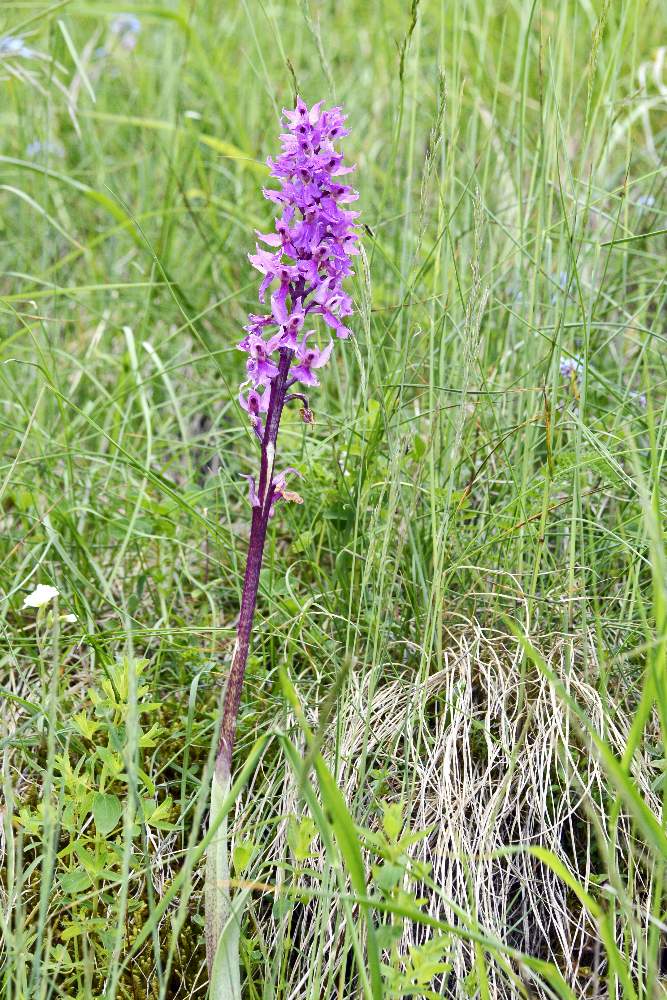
303 264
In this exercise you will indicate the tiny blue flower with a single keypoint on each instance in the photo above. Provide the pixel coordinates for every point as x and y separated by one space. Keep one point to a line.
13 45
571 367
126 27
48 148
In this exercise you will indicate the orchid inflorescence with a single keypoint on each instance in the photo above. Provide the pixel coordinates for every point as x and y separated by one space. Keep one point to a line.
312 246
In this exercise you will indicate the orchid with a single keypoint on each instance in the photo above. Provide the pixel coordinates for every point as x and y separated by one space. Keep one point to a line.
309 256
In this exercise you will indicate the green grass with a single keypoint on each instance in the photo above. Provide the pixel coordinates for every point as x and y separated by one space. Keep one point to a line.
463 628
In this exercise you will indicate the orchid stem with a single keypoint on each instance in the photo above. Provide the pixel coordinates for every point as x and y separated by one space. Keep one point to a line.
219 907
260 520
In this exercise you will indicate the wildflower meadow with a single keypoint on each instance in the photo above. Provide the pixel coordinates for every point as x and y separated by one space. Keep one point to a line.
333 570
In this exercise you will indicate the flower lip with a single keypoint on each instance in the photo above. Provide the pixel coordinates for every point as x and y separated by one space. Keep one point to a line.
310 357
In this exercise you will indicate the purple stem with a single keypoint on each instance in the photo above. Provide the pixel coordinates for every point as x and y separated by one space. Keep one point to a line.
260 520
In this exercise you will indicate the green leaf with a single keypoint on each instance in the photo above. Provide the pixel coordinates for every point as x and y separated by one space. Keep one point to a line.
344 830
392 820
75 881
300 834
72 931
387 876
86 726
223 914
241 855
388 934
151 736
107 810
113 762
159 815
225 975
88 859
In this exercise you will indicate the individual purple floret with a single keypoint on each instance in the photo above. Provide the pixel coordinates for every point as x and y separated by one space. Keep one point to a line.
309 358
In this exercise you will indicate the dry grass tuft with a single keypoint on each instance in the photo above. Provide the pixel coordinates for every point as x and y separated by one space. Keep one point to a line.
493 762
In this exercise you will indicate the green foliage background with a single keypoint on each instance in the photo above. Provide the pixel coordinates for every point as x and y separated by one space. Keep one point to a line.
511 171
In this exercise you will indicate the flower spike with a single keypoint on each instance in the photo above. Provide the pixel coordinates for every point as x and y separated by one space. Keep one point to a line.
304 262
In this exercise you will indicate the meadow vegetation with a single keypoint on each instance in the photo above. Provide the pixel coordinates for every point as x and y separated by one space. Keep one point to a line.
450 758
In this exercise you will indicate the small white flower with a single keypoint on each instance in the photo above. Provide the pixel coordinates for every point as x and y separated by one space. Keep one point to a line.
70 618
41 595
